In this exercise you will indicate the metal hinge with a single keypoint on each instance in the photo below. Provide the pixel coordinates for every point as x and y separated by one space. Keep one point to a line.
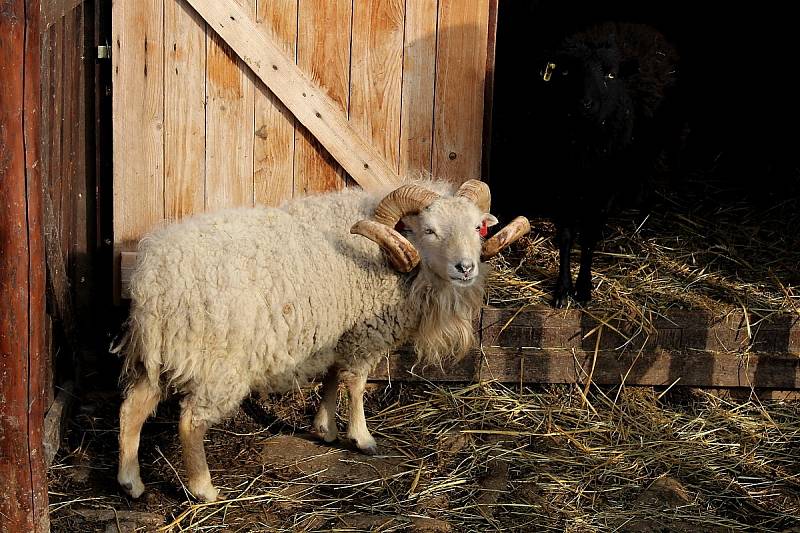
104 52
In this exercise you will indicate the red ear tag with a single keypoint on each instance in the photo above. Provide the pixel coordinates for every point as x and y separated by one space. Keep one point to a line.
484 229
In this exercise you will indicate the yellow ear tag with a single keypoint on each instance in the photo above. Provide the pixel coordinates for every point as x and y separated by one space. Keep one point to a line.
548 71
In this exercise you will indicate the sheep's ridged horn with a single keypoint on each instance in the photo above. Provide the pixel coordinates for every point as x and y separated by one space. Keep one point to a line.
506 236
408 199
478 192
402 254
405 200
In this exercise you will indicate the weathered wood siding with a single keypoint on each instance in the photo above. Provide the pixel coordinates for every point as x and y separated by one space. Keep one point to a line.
195 129
71 152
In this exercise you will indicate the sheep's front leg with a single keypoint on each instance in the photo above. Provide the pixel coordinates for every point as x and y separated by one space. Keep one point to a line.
325 421
357 426
565 235
590 236
191 433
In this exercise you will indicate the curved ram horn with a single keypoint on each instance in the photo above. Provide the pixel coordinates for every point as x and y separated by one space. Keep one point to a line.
402 254
405 200
478 192
506 236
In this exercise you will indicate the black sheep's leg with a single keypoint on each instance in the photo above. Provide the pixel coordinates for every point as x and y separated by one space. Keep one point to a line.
565 235
590 236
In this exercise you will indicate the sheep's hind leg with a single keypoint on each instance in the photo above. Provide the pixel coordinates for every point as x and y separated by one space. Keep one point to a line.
357 425
325 421
139 404
192 431
565 235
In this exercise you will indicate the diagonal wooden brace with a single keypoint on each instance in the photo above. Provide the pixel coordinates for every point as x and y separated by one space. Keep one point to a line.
308 102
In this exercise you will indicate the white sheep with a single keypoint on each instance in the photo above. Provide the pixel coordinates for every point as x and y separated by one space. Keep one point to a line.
268 299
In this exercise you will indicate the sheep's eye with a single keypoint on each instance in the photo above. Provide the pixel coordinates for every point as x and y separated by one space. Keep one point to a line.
478 227
429 231
611 75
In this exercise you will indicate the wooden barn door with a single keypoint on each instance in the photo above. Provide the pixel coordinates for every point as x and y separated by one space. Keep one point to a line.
389 87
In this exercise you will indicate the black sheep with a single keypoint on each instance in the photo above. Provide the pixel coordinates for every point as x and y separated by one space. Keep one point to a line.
603 107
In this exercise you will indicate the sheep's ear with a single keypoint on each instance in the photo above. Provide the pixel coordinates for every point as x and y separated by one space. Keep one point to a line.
489 219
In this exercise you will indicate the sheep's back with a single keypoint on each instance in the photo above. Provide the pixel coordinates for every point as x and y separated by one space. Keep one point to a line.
253 292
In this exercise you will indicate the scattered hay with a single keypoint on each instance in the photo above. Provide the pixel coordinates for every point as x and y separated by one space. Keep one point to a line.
468 458
488 457
703 247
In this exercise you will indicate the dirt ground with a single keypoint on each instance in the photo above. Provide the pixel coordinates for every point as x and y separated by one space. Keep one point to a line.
471 457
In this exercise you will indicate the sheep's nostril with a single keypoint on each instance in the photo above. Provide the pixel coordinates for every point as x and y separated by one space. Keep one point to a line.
465 267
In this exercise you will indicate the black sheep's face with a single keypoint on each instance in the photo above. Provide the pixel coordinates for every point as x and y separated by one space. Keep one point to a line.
588 83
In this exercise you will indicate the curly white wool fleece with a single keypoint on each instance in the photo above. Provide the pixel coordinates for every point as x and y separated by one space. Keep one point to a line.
268 298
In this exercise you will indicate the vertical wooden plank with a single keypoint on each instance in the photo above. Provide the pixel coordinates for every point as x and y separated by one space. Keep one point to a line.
72 169
38 356
184 110
138 118
15 498
46 139
45 104
488 95
419 75
323 52
273 144
57 118
82 181
460 74
23 500
376 74
230 88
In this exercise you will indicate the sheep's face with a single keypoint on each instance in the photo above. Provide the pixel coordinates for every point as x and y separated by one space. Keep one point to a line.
448 236
588 80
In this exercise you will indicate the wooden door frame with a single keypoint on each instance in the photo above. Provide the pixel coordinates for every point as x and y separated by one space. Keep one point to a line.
23 500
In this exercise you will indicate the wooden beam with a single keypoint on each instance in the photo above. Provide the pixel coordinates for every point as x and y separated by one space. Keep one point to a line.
655 368
308 102
55 421
23 498
554 365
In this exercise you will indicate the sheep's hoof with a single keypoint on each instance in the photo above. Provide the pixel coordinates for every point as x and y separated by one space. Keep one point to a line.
561 299
134 487
366 446
322 431
370 449
561 295
203 490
